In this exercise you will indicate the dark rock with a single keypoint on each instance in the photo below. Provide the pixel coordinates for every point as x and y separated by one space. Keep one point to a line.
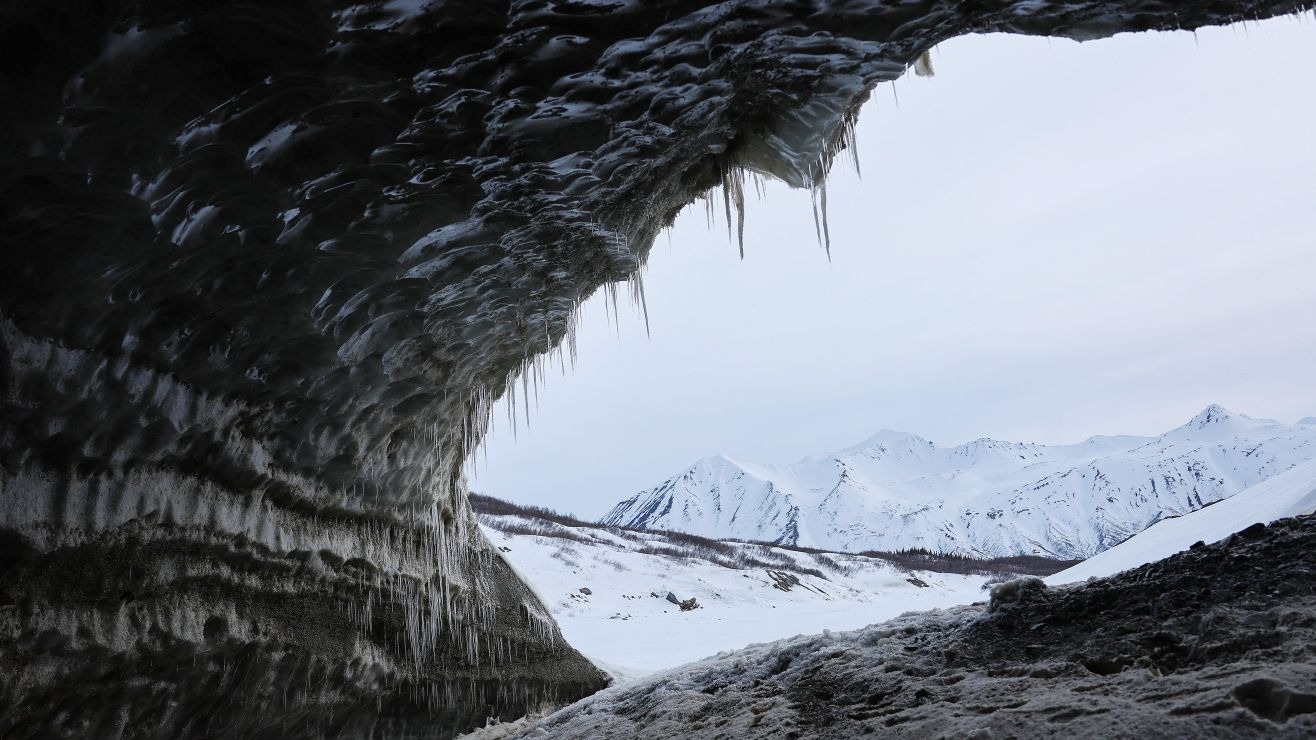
783 581
1017 591
1269 698
685 605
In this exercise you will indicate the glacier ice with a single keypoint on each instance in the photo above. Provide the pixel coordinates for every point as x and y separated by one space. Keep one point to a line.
266 267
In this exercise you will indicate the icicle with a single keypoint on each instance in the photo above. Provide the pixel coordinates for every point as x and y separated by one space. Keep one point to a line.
726 201
525 393
616 314
813 199
852 142
636 282
571 334
923 65
827 237
511 406
738 195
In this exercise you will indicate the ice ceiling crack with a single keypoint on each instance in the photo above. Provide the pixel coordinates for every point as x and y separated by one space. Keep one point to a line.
266 266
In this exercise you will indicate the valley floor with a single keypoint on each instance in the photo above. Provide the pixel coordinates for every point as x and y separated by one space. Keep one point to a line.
1217 641
746 593
1214 641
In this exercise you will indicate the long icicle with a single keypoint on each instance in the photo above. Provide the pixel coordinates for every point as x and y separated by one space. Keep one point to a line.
813 200
737 182
726 201
827 237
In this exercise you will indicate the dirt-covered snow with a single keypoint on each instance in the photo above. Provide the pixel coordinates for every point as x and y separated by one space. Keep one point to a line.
1218 641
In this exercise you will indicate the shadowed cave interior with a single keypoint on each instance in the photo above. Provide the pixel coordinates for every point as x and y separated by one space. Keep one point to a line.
266 267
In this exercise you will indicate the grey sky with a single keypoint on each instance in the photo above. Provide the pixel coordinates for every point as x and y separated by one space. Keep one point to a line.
1050 240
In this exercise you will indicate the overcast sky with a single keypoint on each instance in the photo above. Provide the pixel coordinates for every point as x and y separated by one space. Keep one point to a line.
1050 240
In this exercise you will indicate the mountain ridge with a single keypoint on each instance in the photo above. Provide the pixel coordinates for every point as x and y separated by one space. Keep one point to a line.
986 497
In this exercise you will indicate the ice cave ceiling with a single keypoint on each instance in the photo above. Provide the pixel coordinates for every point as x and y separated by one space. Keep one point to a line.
263 268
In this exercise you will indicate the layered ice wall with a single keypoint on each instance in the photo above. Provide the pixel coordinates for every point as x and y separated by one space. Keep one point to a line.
263 269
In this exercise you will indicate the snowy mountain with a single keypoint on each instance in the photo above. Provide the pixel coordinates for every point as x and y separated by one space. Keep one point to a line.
990 498
1291 493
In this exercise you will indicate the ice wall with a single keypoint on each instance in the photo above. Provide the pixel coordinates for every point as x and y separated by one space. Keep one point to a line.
265 267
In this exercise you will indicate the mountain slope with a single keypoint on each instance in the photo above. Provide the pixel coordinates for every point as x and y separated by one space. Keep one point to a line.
986 497
1291 493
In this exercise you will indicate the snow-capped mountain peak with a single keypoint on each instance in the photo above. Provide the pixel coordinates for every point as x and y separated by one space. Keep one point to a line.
987 497
891 438
1215 423
1213 414
1218 416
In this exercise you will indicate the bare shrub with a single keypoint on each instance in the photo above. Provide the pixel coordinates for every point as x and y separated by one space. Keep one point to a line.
613 564
524 526
511 518
941 562
498 507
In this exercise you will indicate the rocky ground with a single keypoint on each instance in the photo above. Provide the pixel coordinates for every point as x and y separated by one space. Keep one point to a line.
1218 641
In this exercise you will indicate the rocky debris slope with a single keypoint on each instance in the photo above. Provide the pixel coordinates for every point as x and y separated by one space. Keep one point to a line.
985 498
1219 641
265 267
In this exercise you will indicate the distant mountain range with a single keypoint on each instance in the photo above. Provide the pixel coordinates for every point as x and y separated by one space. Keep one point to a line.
986 498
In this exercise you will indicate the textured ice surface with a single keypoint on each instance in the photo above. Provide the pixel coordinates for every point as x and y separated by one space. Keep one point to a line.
1214 642
265 266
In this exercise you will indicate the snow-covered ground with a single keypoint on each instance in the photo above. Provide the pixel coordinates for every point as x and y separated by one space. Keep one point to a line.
608 587
989 498
1287 494
626 625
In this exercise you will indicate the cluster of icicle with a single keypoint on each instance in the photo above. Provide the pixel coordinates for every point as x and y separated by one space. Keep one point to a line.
431 565
522 382
430 605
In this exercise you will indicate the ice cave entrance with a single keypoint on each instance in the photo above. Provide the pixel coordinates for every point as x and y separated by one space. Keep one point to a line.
1122 224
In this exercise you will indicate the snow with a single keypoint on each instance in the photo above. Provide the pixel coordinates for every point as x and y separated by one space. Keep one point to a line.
626 626
607 587
1287 494
988 498
1075 661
